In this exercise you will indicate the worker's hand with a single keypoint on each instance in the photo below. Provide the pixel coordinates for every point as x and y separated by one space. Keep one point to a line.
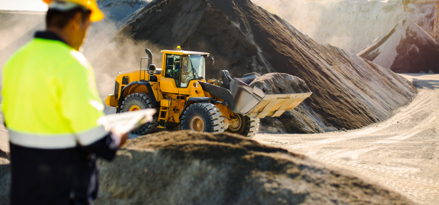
120 134
123 139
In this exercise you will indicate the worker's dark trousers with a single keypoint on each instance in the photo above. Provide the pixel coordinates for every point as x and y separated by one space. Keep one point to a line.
49 177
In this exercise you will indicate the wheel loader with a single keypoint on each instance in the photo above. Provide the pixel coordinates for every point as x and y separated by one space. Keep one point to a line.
183 98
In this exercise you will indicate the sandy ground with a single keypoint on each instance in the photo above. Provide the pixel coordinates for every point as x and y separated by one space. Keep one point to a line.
4 140
400 153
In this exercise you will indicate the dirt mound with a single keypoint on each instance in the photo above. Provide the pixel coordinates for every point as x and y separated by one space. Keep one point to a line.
118 11
349 92
423 15
5 178
405 49
5 175
201 168
279 83
5 181
299 120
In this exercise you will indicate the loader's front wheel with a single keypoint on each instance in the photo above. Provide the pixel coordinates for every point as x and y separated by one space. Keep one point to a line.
139 101
202 117
244 125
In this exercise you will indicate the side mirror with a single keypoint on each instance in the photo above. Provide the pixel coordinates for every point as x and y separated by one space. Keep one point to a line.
213 60
152 67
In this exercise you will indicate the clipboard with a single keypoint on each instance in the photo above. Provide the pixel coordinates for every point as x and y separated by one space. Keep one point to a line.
127 121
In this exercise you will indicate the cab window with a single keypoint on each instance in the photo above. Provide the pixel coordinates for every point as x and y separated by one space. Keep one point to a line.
193 68
186 72
173 65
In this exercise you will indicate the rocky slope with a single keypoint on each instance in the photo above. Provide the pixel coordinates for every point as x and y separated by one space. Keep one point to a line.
349 92
118 11
407 48
201 168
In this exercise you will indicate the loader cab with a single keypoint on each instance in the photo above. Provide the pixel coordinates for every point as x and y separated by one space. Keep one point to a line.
183 66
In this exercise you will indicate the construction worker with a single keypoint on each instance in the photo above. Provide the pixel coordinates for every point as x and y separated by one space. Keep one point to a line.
52 108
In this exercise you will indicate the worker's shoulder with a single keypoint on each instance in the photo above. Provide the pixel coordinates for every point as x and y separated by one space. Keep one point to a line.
58 54
48 51
56 50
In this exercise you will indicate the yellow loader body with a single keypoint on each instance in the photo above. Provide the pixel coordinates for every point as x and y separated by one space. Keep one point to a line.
183 98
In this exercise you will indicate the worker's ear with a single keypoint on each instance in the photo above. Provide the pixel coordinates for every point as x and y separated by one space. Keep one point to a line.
79 23
76 21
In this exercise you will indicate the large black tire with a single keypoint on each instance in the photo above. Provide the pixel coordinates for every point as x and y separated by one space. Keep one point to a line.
140 101
203 113
245 126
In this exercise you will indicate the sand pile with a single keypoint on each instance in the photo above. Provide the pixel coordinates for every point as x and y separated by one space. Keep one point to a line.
349 92
405 49
280 83
423 15
5 175
118 11
201 168
299 120
5 178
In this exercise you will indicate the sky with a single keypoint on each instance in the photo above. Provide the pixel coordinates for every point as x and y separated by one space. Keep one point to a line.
23 5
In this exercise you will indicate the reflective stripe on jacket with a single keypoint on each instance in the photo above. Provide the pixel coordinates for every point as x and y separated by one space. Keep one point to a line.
50 99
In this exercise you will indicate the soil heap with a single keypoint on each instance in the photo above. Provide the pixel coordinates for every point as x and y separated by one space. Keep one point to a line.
423 15
118 11
407 48
280 83
201 168
300 119
5 178
348 91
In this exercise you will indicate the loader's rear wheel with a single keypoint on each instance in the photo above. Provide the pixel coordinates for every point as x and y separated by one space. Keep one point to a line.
202 117
139 101
244 125
134 108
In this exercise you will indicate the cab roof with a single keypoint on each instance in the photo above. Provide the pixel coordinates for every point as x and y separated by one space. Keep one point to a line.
183 52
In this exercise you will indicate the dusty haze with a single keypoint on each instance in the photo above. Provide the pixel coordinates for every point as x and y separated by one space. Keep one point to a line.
350 25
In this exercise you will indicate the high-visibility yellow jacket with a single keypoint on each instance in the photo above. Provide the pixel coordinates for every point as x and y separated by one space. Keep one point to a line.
50 99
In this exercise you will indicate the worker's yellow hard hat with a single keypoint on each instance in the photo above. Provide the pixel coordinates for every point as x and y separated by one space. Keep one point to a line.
96 14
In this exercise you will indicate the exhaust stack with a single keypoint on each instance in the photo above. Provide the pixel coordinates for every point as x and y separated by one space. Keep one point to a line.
151 66
149 53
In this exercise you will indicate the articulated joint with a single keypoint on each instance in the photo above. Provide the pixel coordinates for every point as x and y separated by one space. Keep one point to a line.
216 102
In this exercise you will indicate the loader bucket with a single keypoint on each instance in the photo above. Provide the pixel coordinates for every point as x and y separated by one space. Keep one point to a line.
253 102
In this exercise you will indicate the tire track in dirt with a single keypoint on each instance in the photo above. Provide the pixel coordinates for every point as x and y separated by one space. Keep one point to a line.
399 153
